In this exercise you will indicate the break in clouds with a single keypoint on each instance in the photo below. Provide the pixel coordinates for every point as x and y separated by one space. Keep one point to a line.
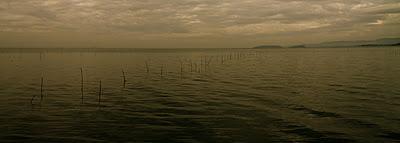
185 23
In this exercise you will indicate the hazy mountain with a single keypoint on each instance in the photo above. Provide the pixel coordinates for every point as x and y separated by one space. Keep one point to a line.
298 46
378 42
267 46
337 44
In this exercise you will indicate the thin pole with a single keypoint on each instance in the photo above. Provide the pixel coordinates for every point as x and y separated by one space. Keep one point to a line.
41 89
161 71
33 97
181 69
191 66
124 77
82 85
201 63
99 92
147 67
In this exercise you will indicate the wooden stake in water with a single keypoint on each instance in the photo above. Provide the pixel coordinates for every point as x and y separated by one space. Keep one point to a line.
100 92
201 63
147 67
191 66
199 68
82 85
124 77
209 61
181 68
161 71
195 67
33 97
41 90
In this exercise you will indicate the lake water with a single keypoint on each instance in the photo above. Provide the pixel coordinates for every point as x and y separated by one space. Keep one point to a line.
200 95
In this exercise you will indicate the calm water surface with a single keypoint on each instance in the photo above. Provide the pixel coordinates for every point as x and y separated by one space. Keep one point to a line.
201 95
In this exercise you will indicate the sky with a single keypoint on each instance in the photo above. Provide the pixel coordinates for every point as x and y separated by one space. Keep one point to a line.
193 23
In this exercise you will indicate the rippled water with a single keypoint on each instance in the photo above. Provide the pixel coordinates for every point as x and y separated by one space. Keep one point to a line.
217 95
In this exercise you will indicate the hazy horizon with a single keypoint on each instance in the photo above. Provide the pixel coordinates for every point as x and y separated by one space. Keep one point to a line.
189 47
193 24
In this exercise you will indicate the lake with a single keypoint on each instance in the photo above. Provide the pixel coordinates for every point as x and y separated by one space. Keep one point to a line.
200 95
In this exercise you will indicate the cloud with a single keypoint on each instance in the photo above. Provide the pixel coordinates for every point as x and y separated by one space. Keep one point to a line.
197 18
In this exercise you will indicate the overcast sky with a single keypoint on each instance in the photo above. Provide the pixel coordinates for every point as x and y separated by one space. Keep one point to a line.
193 23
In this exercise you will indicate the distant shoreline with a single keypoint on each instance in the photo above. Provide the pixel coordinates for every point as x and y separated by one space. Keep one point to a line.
357 46
384 42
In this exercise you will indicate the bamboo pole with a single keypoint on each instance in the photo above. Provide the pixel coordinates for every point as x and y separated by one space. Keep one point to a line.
205 63
191 66
147 67
181 67
82 85
195 67
41 90
33 97
124 77
100 92
201 63
161 71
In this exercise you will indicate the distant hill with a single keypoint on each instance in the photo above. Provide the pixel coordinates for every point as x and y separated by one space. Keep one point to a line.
340 44
378 42
298 46
267 46
374 45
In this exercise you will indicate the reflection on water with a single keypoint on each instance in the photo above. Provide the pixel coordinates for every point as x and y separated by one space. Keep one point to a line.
200 95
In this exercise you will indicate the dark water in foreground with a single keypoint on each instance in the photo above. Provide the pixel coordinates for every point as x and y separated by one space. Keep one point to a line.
274 95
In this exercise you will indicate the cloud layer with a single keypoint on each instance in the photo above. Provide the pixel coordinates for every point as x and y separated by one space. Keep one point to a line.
204 23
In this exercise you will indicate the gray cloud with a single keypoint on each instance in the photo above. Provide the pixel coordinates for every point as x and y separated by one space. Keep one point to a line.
198 20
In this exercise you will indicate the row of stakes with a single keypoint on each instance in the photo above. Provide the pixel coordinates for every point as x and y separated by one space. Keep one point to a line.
205 63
